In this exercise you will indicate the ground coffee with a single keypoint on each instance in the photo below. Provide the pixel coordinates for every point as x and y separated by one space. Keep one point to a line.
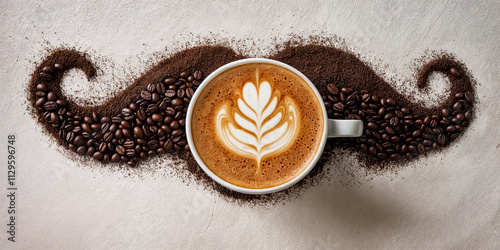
148 117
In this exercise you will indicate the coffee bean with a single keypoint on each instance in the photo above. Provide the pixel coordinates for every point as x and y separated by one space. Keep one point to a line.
170 81
371 125
177 132
460 116
391 102
120 149
189 93
141 115
41 87
157 117
177 102
390 131
54 118
45 76
450 129
421 148
138 132
146 95
394 122
116 119
469 97
372 150
427 143
382 155
468 115
442 139
108 136
104 128
103 147
454 72
153 144
155 97
126 112
50 106
457 106
332 89
181 93
170 93
184 74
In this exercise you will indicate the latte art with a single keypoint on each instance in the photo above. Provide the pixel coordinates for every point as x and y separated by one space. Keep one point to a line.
263 123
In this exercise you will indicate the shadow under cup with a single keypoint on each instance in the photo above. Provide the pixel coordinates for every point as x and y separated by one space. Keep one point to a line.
259 126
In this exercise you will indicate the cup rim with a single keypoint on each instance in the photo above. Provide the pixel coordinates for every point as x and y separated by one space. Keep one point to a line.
231 186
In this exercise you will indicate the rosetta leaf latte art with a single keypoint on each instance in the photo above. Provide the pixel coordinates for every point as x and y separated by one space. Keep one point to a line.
263 123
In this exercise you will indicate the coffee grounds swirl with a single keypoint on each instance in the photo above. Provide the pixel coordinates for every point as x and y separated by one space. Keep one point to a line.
396 128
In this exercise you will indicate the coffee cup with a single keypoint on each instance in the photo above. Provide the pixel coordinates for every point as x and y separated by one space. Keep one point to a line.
259 126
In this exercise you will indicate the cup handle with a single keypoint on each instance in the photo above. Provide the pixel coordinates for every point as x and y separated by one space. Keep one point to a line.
344 128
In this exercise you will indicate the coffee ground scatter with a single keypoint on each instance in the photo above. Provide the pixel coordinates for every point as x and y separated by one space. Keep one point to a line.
148 117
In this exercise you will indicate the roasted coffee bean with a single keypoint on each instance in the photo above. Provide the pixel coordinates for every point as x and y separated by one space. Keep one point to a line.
41 87
153 144
54 118
394 122
427 143
160 87
459 128
155 97
197 75
181 93
45 76
454 72
138 132
146 95
381 111
372 150
141 114
151 87
120 149
177 102
157 117
151 108
189 93
105 119
169 144
371 125
332 89
103 147
421 148
170 81
457 106
127 133
416 133
163 105
51 96
382 155
104 128
390 131
50 106
116 119
70 136
469 97
146 131
40 102
177 132
442 139
129 144
126 112
460 116
468 115
391 102
450 129
170 93
130 152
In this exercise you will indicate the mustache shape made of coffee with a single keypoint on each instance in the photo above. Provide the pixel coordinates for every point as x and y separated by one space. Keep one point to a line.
148 117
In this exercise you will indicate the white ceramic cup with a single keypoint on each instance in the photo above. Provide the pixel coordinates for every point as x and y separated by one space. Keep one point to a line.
333 128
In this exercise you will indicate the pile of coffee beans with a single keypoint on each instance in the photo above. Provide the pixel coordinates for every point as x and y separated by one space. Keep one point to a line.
391 131
153 124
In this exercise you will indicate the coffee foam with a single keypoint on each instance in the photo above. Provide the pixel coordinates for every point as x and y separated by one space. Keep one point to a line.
262 123
224 125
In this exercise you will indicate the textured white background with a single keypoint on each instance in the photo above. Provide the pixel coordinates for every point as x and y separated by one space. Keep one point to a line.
448 200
